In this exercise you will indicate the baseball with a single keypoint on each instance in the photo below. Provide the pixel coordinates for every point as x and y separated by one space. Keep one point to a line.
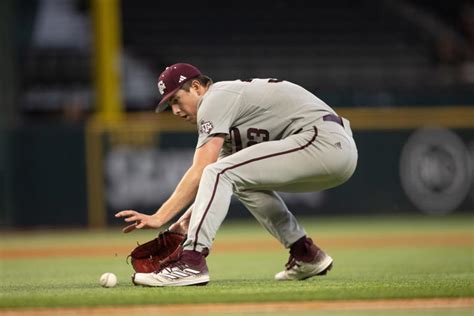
108 279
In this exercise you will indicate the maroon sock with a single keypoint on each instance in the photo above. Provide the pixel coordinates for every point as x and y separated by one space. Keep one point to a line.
304 249
195 258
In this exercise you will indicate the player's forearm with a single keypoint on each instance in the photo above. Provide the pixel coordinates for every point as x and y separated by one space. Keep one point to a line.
187 188
183 195
182 224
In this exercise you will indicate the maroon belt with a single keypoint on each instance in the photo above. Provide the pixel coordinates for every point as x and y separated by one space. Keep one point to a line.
333 118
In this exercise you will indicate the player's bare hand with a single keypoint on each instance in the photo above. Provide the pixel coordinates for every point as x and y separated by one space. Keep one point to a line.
138 220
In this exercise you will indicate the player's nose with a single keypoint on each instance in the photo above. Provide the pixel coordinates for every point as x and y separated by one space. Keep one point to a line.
175 109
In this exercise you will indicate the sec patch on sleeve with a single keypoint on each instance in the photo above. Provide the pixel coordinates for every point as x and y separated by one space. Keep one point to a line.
206 127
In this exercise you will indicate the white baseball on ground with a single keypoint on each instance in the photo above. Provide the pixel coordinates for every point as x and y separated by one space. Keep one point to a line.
108 279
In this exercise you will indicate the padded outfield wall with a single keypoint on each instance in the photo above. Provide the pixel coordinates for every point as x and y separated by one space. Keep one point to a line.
411 160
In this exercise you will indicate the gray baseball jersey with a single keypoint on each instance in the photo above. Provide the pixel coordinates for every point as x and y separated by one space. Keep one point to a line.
255 111
279 137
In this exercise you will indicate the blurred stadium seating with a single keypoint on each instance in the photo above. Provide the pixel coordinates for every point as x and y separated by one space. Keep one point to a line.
364 53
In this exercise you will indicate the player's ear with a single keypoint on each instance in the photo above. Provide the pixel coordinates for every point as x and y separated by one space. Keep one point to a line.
196 85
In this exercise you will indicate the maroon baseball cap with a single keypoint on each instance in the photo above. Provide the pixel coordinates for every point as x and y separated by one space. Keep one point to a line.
172 79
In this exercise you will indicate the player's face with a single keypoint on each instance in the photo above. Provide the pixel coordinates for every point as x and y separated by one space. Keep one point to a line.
184 104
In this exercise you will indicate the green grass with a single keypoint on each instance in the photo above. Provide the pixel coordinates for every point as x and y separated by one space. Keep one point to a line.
361 273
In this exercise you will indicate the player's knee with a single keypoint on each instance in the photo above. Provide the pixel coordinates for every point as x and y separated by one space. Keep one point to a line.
220 170
212 169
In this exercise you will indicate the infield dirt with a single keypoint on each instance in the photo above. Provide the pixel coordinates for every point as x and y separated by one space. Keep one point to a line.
460 239
242 308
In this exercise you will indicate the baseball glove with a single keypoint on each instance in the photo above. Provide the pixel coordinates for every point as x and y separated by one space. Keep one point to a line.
148 257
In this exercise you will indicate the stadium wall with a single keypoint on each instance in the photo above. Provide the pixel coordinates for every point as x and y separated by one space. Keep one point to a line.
411 160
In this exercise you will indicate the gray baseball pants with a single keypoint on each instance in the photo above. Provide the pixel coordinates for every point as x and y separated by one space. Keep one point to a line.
321 157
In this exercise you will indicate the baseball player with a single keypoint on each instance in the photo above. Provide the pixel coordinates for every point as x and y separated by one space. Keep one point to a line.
256 137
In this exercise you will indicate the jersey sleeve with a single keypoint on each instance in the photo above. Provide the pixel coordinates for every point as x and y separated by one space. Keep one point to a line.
216 115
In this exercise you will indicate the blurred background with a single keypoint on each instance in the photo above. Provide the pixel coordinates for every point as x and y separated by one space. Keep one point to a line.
79 139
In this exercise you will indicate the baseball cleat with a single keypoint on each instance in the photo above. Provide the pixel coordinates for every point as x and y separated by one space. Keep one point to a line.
306 260
184 271
300 270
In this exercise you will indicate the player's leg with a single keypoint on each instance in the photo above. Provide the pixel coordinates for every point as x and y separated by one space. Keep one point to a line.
271 212
310 161
306 259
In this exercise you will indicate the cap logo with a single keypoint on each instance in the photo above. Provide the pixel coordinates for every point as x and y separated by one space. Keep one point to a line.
161 87
182 78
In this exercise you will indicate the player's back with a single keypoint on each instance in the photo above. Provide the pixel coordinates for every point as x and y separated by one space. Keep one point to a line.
281 105
279 95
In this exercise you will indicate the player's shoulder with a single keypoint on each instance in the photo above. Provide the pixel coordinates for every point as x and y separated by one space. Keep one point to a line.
234 86
223 90
240 86
219 95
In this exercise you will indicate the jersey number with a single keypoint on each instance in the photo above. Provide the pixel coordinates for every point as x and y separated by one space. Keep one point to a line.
254 136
